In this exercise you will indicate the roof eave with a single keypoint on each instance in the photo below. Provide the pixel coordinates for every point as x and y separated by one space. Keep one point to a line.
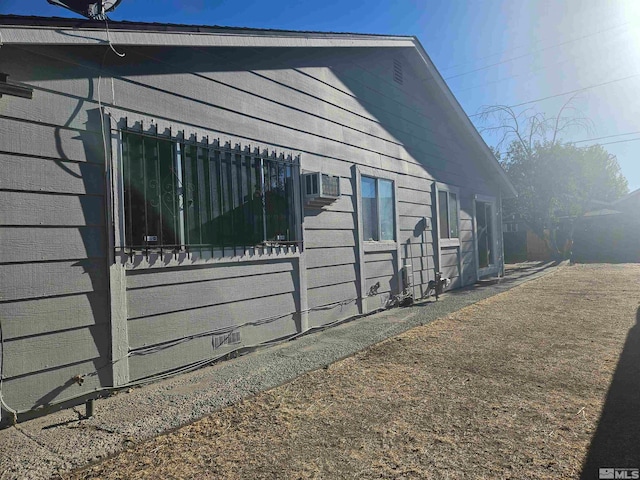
80 32
509 190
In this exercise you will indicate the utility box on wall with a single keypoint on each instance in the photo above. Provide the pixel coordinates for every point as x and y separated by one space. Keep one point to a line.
320 189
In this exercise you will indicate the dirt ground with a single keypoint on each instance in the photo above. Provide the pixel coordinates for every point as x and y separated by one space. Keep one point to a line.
512 387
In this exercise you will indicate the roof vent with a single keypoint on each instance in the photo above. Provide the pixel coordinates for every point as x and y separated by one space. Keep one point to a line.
231 338
397 71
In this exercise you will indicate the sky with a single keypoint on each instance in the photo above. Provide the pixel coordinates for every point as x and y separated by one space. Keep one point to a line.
529 54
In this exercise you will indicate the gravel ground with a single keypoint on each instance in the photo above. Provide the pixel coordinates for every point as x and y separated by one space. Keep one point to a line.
394 400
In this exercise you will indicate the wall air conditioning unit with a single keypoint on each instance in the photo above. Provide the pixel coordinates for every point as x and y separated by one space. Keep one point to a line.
320 189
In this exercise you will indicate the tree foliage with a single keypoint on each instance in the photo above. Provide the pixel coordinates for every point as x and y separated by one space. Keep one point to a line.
553 179
558 180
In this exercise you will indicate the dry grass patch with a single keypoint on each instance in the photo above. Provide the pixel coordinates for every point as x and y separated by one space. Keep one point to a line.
510 387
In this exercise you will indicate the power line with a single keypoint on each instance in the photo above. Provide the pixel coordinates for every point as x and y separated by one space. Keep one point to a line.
608 136
528 74
620 141
520 47
565 93
533 52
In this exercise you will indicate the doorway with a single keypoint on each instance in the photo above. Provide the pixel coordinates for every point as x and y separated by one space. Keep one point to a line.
485 234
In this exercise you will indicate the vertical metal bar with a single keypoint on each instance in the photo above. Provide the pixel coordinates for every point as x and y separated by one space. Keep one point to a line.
127 194
159 180
264 205
216 189
144 188
178 166
202 199
232 213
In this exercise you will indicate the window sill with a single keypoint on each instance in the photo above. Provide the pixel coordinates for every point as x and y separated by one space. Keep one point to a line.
142 260
383 246
449 242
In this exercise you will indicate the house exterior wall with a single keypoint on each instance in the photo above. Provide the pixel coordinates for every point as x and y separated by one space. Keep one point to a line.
81 307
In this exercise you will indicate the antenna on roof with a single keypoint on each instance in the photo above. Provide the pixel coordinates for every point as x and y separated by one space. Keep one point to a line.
93 9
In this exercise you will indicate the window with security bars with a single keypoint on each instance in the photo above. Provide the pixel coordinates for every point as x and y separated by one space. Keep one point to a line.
179 195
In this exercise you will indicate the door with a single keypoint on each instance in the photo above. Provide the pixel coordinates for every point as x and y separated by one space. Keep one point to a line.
486 244
486 254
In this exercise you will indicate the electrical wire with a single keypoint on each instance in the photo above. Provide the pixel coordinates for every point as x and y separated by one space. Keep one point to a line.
209 360
13 412
451 67
620 141
533 52
565 93
106 23
602 138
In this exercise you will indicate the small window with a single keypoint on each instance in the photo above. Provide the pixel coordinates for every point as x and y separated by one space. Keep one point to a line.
378 219
448 214
180 195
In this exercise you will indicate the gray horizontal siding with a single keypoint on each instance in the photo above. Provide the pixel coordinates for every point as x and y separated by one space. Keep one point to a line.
333 314
325 141
36 244
36 280
384 283
53 277
54 350
325 257
379 268
30 136
328 220
329 238
21 172
146 278
202 349
26 208
47 315
186 296
413 224
179 311
174 326
320 277
51 386
322 296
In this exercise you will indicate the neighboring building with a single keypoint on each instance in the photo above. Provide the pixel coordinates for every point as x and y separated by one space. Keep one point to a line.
215 188
521 243
610 234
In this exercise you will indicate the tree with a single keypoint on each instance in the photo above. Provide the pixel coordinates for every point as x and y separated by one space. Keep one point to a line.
554 179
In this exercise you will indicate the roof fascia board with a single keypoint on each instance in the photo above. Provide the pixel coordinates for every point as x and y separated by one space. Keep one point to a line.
38 35
627 197
455 105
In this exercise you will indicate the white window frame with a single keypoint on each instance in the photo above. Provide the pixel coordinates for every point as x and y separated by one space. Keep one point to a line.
366 246
378 223
448 241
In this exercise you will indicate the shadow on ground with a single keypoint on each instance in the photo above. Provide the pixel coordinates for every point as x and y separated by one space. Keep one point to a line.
616 442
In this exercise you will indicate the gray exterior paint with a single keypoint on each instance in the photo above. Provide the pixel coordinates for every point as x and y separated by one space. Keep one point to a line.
72 304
